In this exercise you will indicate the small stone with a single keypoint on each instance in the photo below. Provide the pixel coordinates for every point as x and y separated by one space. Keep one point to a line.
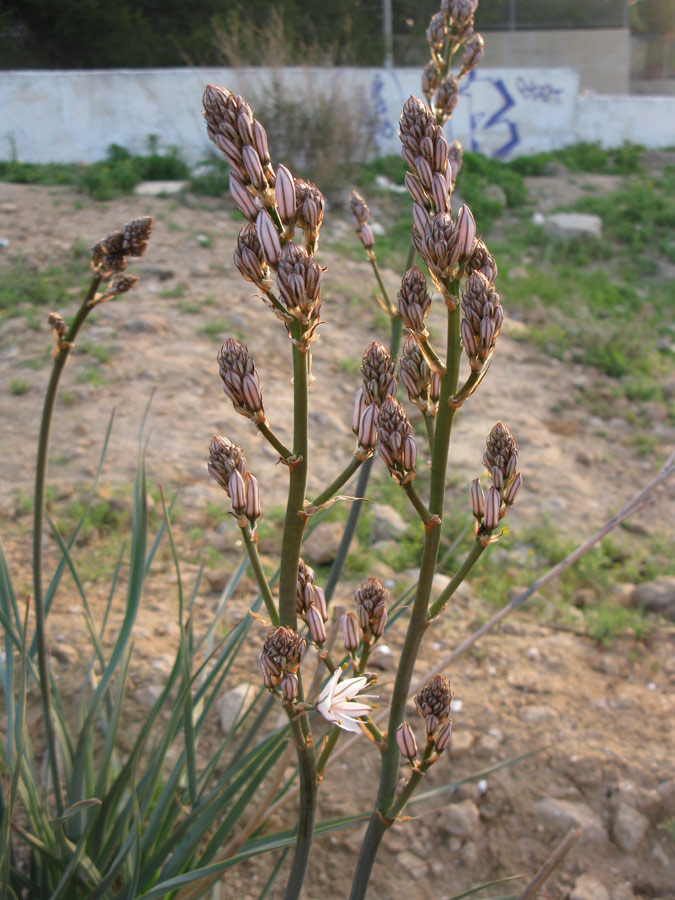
388 523
217 580
410 861
584 597
64 653
487 745
461 819
234 703
321 546
139 325
587 887
536 715
562 815
657 596
382 658
629 827
667 793
148 695
469 855
622 592
462 742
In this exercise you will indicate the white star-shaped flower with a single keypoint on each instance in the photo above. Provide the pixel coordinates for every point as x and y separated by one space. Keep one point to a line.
336 702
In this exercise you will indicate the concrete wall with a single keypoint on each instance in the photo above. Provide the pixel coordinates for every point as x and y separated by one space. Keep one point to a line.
74 116
601 56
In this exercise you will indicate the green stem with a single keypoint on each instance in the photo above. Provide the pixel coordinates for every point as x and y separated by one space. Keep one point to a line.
376 270
294 523
417 624
327 749
271 437
308 794
38 523
415 778
429 425
344 476
260 577
420 508
447 592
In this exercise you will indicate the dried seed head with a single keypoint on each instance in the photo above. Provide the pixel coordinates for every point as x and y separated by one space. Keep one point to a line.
482 261
447 97
107 256
350 631
460 12
377 368
247 203
474 50
395 442
315 624
57 324
240 380
371 608
281 655
431 78
249 258
414 300
443 737
433 702
224 458
415 374
406 741
437 32
483 317
120 284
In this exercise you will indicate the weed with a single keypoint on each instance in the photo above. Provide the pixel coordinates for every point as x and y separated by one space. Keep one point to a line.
211 178
91 375
216 329
18 386
100 352
169 293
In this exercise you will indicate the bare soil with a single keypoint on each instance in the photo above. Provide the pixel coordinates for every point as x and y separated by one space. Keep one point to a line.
604 718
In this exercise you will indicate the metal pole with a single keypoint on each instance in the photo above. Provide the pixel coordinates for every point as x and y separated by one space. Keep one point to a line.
388 35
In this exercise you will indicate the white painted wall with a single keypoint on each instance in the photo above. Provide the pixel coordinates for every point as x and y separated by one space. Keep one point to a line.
49 116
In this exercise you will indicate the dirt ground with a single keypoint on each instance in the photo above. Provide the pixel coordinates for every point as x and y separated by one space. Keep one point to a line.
604 718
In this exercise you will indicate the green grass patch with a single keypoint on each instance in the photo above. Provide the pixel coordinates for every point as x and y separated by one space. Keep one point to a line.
19 386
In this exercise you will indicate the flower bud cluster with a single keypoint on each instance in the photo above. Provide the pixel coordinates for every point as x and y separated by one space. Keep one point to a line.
501 461
425 150
433 704
395 442
231 126
299 283
250 259
371 609
280 660
483 317
482 261
109 255
414 301
422 384
310 602
227 466
360 212
377 368
443 243
449 28
240 380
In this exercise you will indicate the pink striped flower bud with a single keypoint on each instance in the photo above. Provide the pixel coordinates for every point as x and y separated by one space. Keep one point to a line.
253 167
431 78
416 190
246 203
406 742
421 219
378 621
359 405
237 490
315 624
315 596
512 489
367 433
260 141
467 230
350 631
424 172
268 237
492 504
443 736
367 237
477 499
455 154
447 97
240 380
474 50
252 497
289 687
284 189
440 193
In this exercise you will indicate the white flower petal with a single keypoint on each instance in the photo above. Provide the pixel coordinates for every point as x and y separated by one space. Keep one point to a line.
326 695
353 708
348 724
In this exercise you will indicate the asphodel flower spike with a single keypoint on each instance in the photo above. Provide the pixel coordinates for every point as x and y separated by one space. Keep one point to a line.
240 380
281 656
371 608
433 702
395 442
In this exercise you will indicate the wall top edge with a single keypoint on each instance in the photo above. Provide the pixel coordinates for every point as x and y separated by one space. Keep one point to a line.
253 70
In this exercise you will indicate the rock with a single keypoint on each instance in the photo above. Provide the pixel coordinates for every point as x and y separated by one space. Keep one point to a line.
321 546
234 703
487 745
495 192
461 819
584 597
64 653
587 887
388 185
657 596
388 523
667 793
157 188
572 225
628 827
536 715
462 742
410 861
623 592
382 658
562 815
148 695
138 325
217 580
